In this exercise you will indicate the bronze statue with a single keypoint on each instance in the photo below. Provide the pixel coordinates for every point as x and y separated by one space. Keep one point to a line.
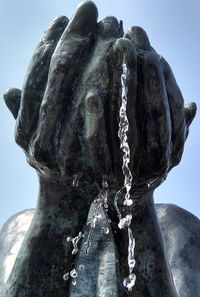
67 118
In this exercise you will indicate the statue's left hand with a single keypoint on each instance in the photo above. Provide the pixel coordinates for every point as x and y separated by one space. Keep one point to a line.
60 111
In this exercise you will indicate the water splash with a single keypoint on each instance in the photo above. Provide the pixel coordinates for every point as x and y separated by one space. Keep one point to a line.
74 282
88 241
129 282
101 201
105 230
73 273
81 267
66 276
125 222
75 241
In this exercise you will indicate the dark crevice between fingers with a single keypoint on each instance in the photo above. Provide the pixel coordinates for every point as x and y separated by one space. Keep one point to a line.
151 158
112 115
70 55
176 108
71 120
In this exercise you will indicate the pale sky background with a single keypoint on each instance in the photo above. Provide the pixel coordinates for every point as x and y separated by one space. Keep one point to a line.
173 27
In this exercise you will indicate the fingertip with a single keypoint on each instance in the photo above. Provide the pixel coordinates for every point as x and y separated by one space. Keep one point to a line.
12 98
138 37
124 51
109 28
58 21
85 19
190 112
56 27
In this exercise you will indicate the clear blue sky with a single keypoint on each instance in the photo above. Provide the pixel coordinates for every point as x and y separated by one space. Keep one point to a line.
173 28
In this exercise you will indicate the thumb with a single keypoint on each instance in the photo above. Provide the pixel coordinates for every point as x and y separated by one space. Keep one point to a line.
12 99
190 112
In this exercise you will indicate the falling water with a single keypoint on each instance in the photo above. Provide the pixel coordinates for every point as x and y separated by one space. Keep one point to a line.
73 273
122 133
101 201
125 222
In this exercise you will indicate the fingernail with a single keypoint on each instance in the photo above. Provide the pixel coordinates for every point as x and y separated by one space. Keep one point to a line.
138 37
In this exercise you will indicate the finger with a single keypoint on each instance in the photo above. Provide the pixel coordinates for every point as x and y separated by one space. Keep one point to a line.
67 63
138 37
177 112
95 135
152 110
93 87
190 112
152 117
36 80
109 28
97 113
123 53
12 99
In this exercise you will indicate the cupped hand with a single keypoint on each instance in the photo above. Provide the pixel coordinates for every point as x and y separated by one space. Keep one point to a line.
60 112
158 118
68 110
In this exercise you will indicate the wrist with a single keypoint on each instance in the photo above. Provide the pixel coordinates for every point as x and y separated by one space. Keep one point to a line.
61 203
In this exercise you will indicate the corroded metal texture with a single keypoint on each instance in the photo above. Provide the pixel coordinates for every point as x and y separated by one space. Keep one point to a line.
67 117
180 230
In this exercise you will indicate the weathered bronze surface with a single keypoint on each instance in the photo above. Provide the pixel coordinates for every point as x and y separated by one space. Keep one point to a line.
67 117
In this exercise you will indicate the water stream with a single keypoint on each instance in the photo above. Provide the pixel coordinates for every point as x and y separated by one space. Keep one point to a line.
102 199
100 202
125 222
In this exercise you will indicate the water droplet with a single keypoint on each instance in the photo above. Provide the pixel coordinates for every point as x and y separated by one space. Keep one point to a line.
98 215
66 276
75 182
125 222
73 273
128 202
97 200
68 238
81 267
129 282
104 184
105 230
109 221
74 282
75 241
